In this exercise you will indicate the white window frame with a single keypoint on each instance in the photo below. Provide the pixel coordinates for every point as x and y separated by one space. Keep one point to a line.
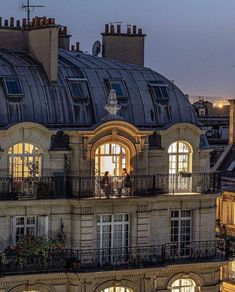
124 223
40 226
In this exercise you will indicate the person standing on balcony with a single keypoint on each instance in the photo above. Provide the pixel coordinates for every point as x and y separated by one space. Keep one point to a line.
126 183
106 184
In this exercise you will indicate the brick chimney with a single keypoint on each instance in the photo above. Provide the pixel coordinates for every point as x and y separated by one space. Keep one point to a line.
64 38
232 122
39 38
126 46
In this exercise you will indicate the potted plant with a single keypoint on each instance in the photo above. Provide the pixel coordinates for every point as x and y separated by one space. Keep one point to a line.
185 173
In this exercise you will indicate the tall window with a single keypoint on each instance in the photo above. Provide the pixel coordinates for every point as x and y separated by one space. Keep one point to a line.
24 160
179 158
117 289
181 231
29 225
110 157
112 236
183 285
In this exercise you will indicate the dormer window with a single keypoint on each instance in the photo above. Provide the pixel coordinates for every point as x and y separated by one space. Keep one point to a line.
12 86
119 86
78 89
159 90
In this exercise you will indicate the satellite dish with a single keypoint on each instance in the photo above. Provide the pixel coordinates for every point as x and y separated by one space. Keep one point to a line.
96 48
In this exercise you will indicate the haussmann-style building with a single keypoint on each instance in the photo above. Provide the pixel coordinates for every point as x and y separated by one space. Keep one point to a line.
108 156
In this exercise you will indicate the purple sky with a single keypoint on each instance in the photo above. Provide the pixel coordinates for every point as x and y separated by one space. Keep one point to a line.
189 41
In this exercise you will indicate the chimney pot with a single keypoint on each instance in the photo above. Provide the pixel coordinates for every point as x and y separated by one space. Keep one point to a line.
18 23
134 29
72 48
77 46
119 28
6 23
112 28
37 21
128 30
0 21
140 31
106 28
12 22
24 22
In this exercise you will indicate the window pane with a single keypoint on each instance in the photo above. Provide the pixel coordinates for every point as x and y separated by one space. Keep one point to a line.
13 86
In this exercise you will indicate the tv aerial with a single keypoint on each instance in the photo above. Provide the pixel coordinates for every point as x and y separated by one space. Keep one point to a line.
29 8
96 48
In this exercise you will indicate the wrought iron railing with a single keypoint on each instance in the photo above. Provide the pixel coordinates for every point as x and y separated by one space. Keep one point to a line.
93 186
112 258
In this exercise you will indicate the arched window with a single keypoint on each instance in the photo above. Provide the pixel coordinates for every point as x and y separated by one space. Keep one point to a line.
111 157
117 289
179 158
183 285
24 160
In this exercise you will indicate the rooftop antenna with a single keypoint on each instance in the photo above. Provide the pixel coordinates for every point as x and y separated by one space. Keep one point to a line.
29 8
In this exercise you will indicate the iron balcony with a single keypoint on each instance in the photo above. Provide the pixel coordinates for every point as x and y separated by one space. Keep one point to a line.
78 187
64 260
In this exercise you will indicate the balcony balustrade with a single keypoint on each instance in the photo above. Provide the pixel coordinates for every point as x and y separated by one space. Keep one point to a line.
113 258
58 187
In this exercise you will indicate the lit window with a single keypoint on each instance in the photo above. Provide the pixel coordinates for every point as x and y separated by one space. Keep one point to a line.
29 225
159 90
78 89
117 289
13 86
183 285
201 112
24 160
178 158
119 86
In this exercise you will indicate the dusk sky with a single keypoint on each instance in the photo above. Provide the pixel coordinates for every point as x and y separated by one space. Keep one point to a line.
189 41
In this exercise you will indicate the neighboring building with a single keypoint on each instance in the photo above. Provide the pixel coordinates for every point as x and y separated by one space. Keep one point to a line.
213 114
226 202
66 118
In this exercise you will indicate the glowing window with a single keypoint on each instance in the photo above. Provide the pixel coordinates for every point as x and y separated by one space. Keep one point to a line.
183 285
110 157
117 289
179 158
24 160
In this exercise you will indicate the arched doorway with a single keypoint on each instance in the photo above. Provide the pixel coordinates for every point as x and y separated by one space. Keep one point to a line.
180 166
111 157
112 164
117 289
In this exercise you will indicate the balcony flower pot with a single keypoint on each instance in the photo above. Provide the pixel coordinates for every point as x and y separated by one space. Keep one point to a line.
185 174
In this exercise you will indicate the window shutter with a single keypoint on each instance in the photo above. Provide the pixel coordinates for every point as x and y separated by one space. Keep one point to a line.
13 231
42 228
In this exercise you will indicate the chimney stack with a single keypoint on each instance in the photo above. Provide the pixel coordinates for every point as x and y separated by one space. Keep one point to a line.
232 122
127 47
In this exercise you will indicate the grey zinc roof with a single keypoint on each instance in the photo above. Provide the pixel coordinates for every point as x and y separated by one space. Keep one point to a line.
53 106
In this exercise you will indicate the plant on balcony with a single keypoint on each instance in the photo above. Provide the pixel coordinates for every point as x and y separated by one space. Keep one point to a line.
184 173
30 250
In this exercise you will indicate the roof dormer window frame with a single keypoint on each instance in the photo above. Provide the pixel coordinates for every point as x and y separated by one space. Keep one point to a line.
10 90
159 90
76 86
122 87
